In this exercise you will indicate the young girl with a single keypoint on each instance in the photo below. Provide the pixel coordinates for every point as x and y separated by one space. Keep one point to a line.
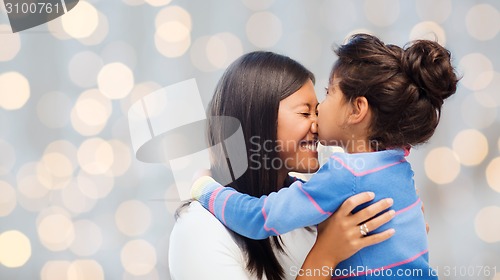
381 101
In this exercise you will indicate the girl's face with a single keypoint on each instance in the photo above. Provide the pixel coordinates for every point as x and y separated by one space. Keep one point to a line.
332 117
297 133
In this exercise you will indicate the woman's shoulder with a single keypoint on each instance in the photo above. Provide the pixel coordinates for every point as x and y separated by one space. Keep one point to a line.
195 221
201 247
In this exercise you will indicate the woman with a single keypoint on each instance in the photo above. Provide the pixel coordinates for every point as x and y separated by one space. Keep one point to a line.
273 98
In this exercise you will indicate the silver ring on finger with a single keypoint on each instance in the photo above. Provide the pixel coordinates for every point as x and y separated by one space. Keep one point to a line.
363 229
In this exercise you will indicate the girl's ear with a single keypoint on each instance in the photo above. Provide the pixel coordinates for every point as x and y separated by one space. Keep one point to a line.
360 109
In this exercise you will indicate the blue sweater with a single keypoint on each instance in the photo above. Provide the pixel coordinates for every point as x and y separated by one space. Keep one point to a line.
386 173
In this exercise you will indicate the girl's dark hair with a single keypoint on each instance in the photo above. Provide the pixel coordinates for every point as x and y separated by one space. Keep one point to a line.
250 90
405 87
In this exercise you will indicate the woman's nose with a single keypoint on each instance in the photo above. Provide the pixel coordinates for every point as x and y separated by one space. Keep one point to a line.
314 127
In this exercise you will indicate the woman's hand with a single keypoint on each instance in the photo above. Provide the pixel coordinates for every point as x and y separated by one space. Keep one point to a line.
340 237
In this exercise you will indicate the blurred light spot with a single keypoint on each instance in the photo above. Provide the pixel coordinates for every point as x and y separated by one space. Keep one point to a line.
95 186
493 174
487 224
452 199
32 203
115 80
95 156
88 238
222 49
55 270
75 200
100 32
257 5
432 10
489 96
153 275
138 92
264 29
122 157
56 232
28 183
172 31
477 71
471 146
442 165
341 22
172 39
58 164
7 199
63 147
85 269
134 2
158 3
84 67
173 14
56 29
133 217
90 113
382 12
53 109
119 51
15 249
483 22
14 90
308 46
172 200
428 30
8 158
138 257
199 56
475 115
48 179
82 22
11 43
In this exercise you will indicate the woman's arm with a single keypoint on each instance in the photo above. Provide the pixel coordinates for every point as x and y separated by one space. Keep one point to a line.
339 236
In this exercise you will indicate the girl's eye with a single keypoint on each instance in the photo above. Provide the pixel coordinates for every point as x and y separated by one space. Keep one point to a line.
305 114
326 90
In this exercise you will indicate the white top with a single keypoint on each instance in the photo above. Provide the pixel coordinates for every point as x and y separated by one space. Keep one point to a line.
202 248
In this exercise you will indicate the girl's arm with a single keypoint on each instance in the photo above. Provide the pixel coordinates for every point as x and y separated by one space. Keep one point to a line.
299 205
339 237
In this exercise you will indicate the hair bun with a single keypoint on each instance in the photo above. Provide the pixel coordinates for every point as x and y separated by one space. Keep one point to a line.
428 65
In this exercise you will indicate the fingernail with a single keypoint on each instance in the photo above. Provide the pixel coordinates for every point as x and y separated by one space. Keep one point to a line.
371 194
392 213
390 201
392 231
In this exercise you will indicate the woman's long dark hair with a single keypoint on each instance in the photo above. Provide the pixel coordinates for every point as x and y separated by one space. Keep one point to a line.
250 90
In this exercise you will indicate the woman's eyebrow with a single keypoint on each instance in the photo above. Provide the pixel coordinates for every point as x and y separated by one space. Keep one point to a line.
308 105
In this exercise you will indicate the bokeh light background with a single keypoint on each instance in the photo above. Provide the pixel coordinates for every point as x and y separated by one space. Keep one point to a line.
76 204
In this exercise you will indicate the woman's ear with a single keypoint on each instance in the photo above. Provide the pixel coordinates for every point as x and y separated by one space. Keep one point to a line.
360 109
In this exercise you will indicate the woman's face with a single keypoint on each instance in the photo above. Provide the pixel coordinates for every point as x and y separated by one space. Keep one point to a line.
297 135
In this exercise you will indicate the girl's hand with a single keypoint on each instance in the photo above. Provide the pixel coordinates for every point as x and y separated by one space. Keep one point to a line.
340 237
